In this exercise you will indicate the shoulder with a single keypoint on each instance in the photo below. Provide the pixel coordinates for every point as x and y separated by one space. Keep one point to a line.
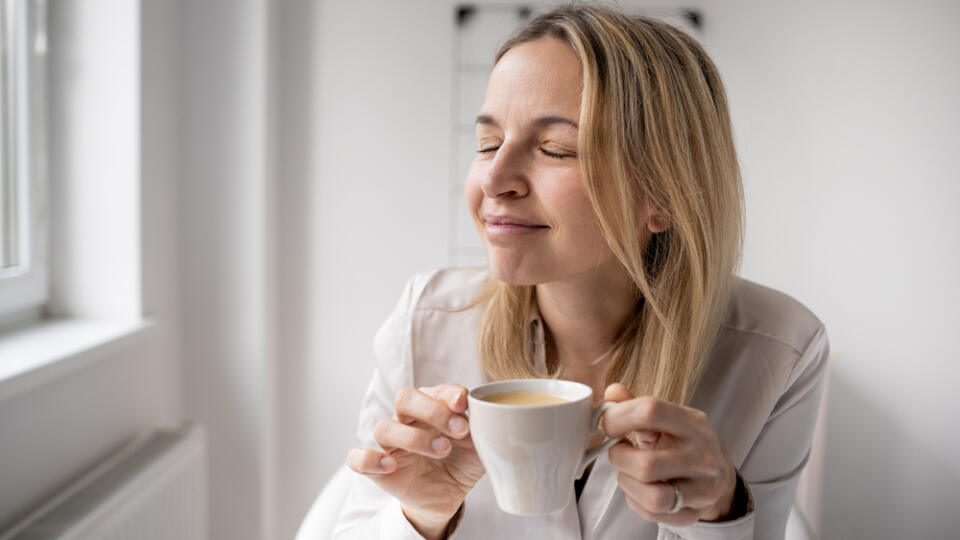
759 313
441 289
445 288
430 337
427 319
770 354
770 347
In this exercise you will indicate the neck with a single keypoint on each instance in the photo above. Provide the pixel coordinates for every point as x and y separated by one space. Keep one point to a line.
584 314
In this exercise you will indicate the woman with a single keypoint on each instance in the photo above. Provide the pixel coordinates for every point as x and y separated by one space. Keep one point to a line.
607 193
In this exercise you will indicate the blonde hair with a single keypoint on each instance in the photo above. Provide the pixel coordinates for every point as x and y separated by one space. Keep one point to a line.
654 127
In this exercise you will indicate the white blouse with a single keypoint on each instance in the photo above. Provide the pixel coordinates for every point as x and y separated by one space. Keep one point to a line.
761 389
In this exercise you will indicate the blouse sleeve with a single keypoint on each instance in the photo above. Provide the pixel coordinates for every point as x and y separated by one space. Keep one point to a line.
368 511
772 467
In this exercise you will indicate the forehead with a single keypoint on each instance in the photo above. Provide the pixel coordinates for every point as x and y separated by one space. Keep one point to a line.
536 78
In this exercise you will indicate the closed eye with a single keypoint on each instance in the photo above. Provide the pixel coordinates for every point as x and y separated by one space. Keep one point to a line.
556 155
544 150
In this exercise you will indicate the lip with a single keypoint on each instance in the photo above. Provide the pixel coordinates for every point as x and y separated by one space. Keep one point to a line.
505 219
509 226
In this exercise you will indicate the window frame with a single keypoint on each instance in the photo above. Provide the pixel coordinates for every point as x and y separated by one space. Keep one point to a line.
24 287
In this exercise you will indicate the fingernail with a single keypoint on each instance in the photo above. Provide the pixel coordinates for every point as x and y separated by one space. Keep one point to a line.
439 445
387 462
457 425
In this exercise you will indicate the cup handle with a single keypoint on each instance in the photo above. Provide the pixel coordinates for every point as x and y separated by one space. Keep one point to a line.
592 454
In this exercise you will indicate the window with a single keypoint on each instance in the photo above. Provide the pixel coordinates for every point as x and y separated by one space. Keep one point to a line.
23 271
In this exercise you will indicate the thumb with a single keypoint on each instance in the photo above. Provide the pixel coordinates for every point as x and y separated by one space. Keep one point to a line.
617 392
456 397
453 395
639 438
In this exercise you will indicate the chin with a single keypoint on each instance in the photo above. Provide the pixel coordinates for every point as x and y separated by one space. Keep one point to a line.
512 273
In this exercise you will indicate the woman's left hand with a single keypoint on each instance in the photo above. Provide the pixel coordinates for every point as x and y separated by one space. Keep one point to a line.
677 446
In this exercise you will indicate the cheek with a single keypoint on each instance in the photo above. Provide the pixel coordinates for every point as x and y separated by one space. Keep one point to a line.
581 227
472 192
577 214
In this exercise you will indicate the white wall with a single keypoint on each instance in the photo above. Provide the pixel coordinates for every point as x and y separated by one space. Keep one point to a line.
225 270
294 104
381 197
847 121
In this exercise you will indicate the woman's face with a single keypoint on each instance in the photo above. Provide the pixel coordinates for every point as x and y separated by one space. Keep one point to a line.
524 189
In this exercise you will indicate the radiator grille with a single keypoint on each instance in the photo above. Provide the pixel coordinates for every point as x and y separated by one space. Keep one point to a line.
153 489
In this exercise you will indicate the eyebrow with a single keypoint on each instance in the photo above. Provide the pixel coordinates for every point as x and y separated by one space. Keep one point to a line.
543 121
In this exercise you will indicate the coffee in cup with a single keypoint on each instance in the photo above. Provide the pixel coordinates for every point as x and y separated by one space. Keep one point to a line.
524 398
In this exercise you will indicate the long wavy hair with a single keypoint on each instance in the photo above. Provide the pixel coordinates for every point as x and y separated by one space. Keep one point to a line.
654 126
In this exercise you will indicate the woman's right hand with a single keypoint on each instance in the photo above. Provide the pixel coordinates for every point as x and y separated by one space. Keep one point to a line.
429 463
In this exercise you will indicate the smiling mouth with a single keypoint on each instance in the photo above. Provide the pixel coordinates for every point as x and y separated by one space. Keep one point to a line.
510 220
511 229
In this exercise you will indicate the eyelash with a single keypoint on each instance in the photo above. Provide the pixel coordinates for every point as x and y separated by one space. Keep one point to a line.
554 155
545 152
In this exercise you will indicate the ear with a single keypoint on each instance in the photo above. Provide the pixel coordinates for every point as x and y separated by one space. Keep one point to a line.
652 216
657 223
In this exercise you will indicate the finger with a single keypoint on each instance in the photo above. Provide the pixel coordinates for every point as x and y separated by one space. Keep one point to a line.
614 393
414 405
391 434
649 465
454 395
659 497
684 517
369 461
648 414
655 497
644 439
617 392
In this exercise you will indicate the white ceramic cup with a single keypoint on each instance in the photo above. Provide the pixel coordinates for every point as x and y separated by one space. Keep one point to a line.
533 453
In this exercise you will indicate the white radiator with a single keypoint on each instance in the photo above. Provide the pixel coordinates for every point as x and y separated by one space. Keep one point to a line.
152 489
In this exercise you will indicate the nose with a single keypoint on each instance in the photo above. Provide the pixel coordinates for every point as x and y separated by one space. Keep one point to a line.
506 178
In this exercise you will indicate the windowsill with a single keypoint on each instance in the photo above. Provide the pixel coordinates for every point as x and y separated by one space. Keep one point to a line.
38 354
